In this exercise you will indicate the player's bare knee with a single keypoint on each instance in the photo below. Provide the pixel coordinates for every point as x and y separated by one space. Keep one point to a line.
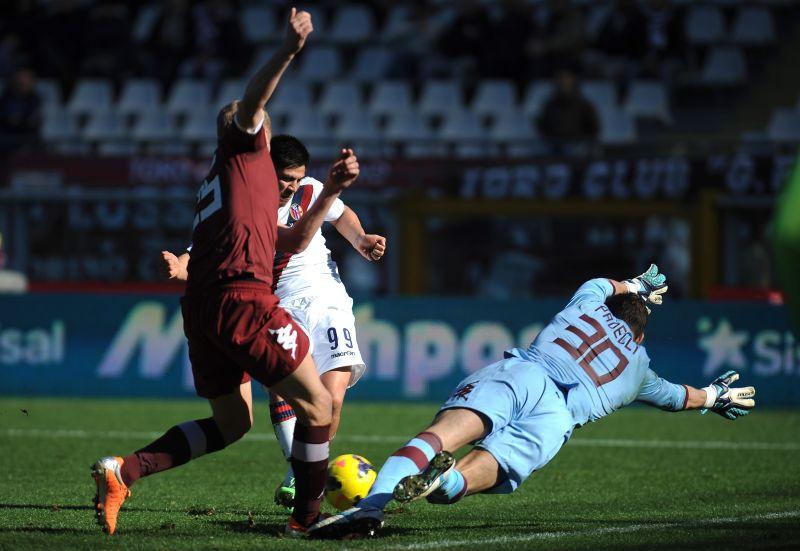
337 401
322 407
314 410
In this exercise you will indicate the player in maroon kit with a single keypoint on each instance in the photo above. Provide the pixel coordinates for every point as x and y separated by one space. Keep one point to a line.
233 323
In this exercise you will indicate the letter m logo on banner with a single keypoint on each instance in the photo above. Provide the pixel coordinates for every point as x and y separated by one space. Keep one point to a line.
145 328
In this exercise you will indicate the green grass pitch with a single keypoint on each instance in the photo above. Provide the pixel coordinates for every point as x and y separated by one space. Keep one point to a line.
641 479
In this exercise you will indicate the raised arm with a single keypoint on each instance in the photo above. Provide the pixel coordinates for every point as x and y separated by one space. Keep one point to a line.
263 83
343 173
370 246
650 285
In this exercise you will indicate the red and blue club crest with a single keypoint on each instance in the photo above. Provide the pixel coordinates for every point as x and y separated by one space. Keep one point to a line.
296 211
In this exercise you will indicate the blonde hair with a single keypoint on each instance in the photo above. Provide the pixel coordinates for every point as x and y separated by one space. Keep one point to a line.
225 120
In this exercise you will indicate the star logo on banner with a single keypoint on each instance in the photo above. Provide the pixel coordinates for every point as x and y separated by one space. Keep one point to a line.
723 346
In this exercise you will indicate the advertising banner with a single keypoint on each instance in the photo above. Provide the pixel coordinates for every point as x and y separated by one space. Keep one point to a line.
632 175
415 349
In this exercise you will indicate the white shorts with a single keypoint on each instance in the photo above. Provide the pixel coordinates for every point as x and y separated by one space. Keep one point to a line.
329 322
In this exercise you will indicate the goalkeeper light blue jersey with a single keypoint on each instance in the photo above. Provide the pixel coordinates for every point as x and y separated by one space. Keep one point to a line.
593 356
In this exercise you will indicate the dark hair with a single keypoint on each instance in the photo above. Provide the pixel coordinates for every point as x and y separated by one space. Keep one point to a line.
287 152
630 308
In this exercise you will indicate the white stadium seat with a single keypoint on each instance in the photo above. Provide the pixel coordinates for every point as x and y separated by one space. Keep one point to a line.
290 96
754 26
320 64
538 93
90 96
494 97
155 125
309 126
258 25
513 126
408 126
705 25
398 23
139 96
617 128
462 125
200 126
231 89
340 97
648 100
188 95
600 93
358 130
58 126
440 97
724 66
390 96
464 130
105 126
415 135
784 127
357 126
351 25
372 64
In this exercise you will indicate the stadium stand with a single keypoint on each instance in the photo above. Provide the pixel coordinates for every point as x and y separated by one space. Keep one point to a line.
393 60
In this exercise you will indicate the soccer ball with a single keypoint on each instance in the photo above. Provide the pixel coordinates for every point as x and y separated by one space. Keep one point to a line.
350 477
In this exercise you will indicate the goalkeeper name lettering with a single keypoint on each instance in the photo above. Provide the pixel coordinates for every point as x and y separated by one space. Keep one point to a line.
623 337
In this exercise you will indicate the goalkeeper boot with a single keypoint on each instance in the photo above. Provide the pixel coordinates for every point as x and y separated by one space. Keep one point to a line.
111 492
284 495
353 523
420 485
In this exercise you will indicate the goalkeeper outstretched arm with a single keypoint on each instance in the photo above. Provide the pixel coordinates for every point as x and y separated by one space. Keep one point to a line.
719 396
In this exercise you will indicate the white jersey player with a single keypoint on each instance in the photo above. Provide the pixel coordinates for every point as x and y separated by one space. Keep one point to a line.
308 285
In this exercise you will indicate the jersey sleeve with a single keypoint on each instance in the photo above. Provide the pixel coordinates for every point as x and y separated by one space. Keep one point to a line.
236 139
336 210
594 290
661 393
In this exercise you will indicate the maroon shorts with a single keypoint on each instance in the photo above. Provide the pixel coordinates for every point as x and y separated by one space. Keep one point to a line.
237 331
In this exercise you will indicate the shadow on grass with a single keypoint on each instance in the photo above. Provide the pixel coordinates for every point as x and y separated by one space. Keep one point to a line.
275 530
55 507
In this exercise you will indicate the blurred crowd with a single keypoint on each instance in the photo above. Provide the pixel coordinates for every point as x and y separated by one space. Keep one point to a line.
469 39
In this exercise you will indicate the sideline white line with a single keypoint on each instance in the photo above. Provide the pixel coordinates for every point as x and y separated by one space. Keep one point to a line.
597 531
388 439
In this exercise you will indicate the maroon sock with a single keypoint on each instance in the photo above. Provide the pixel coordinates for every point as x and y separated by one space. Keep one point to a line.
177 446
310 465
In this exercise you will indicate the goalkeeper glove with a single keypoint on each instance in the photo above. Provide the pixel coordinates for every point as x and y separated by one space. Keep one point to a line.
726 401
651 285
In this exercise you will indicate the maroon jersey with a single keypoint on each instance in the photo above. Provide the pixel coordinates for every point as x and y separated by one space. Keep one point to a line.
235 223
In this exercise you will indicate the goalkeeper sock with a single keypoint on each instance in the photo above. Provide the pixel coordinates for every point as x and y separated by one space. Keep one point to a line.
452 489
410 459
283 423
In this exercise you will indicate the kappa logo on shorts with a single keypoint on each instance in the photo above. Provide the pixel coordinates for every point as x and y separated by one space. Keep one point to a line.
463 391
287 338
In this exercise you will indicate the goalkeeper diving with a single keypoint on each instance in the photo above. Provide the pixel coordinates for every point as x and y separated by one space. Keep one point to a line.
585 364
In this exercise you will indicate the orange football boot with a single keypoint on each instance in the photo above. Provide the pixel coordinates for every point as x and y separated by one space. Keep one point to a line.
294 529
111 492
